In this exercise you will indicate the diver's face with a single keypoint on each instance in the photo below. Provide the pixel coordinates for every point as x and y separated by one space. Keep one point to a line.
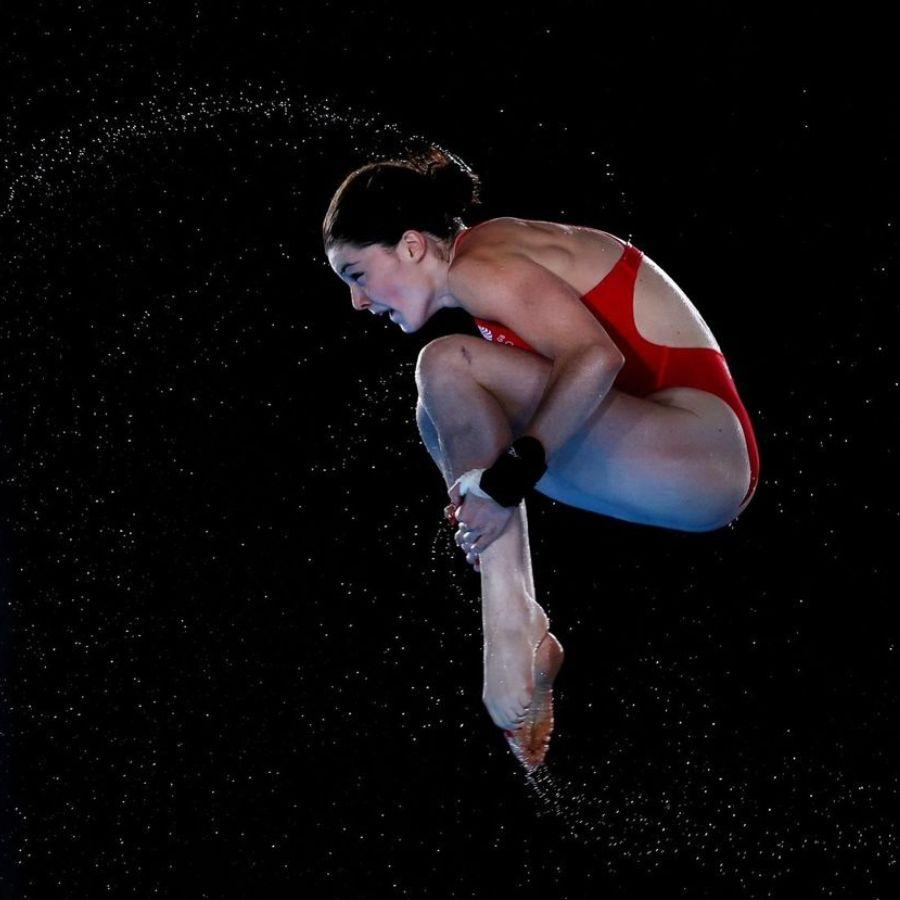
386 282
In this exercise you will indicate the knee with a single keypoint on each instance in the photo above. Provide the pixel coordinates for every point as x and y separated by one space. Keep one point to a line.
441 357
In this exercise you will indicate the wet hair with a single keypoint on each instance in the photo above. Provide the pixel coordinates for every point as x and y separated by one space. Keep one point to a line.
430 192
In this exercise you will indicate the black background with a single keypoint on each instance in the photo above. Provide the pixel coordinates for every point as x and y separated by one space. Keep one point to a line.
241 654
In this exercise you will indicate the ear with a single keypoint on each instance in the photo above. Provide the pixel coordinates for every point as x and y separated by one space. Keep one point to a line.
414 244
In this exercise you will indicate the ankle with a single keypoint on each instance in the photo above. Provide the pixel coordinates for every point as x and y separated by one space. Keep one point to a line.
530 622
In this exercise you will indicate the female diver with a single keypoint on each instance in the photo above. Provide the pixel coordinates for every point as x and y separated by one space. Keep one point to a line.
595 382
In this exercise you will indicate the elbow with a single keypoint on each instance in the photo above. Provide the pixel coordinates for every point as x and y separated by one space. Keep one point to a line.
605 357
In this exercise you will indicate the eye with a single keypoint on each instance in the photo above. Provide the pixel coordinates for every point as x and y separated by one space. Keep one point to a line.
355 276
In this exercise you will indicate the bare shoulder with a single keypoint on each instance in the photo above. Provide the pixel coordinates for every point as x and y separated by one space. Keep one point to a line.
499 280
490 258
502 252
578 254
511 230
489 233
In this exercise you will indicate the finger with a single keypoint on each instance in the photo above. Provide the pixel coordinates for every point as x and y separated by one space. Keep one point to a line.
462 508
468 539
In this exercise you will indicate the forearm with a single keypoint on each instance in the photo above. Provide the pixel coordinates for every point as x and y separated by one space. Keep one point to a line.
576 387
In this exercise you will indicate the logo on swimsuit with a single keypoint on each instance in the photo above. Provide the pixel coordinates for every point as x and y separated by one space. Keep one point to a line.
486 332
503 339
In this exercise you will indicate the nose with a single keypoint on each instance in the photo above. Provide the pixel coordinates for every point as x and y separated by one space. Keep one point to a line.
359 299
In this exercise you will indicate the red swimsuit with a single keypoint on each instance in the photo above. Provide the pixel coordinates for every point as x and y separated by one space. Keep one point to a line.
648 367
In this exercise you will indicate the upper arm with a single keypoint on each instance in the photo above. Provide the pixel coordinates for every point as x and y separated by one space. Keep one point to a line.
532 301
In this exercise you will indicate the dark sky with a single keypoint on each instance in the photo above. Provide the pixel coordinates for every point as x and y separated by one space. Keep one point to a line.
241 655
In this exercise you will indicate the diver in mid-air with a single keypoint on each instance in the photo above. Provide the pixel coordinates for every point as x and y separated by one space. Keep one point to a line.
595 382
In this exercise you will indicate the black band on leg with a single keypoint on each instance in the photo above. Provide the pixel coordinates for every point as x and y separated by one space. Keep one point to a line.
515 472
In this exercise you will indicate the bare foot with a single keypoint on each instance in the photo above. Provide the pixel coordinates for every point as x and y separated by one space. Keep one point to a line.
529 743
509 670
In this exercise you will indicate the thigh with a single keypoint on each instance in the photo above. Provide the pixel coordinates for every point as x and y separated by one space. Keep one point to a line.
655 459
676 458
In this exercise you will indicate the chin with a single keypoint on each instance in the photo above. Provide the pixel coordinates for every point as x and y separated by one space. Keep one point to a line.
406 327
412 327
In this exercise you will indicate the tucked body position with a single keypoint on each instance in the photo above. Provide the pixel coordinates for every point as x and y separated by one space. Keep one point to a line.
594 381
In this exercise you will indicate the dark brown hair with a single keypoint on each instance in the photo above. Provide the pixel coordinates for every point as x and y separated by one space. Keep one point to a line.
375 204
